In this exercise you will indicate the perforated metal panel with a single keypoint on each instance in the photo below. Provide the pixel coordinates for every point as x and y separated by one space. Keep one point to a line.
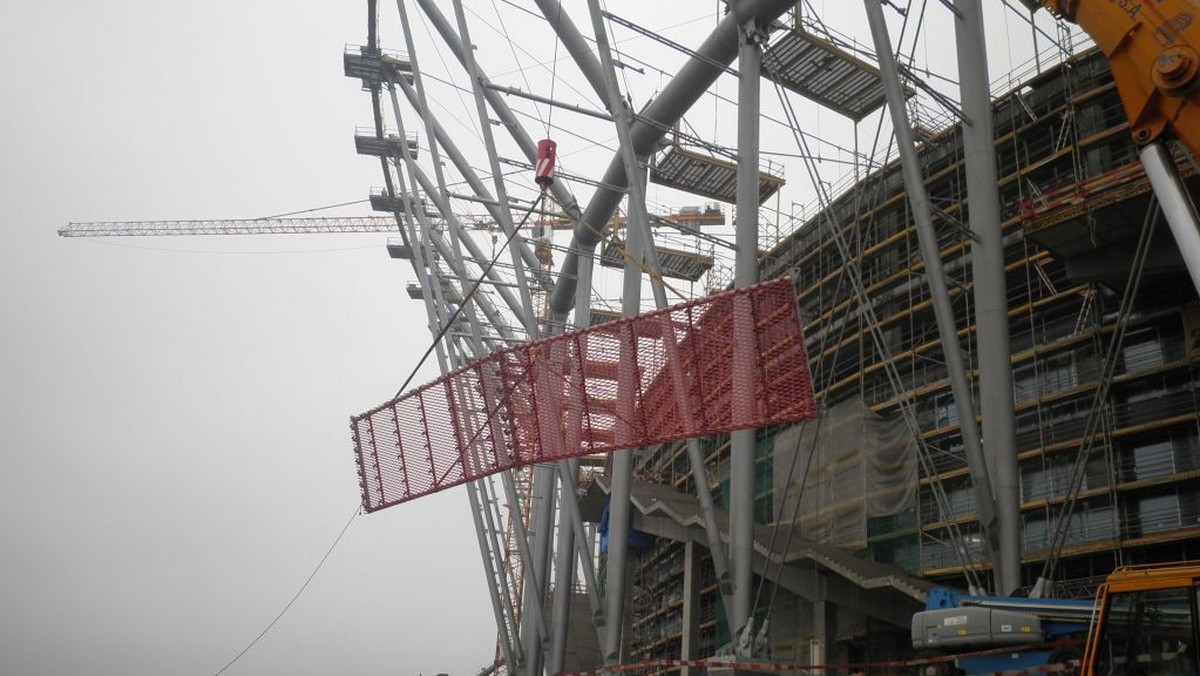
726 362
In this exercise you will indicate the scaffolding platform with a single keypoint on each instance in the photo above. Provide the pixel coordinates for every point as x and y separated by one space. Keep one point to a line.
1094 224
397 249
822 72
366 142
676 263
709 214
599 316
373 66
381 201
449 293
707 176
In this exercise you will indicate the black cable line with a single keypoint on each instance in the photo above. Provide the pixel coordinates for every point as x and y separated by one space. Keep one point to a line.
308 211
300 591
458 310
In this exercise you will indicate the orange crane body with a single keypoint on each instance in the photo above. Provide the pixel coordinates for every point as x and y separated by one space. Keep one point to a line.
1151 46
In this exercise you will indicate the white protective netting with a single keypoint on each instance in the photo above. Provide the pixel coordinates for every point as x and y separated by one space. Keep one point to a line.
862 466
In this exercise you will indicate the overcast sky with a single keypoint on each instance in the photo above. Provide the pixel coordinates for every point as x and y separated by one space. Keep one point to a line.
174 443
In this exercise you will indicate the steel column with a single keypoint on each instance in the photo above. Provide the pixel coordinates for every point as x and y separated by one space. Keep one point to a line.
529 319
914 185
742 442
991 301
602 76
620 510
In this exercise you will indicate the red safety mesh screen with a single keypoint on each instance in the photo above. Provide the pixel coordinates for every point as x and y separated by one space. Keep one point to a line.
726 362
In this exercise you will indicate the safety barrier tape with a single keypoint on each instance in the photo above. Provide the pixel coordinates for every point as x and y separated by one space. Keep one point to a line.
854 666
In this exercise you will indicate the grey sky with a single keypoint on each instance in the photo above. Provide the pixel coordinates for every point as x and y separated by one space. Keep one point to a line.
174 442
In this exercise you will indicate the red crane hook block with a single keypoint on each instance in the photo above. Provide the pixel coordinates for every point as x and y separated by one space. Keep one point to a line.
547 151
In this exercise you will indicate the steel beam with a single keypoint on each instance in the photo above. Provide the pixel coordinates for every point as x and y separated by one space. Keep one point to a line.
666 109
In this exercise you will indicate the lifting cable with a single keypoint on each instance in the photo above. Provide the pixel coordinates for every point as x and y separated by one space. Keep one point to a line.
307 581
475 287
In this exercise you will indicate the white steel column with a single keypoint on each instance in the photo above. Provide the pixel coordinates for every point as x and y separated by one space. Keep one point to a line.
914 185
741 451
991 300
1176 205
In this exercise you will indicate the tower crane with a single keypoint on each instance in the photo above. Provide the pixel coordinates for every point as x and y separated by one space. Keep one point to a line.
232 226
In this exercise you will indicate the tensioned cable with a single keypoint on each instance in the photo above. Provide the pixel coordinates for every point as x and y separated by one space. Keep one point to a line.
295 596
309 211
467 299
512 46
554 68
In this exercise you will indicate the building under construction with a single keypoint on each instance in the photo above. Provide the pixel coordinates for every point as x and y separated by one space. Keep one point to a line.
1104 371
1061 288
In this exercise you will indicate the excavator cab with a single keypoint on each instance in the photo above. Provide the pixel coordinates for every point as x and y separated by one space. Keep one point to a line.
1147 624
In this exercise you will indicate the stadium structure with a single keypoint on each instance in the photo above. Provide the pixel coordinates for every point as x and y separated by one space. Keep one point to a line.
999 389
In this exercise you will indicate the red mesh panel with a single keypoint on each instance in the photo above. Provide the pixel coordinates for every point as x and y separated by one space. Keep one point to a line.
722 363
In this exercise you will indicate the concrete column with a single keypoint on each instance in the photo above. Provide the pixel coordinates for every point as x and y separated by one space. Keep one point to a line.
824 623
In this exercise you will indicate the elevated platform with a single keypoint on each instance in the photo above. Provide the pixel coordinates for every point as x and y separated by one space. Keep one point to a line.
822 72
704 175
397 249
448 291
1093 226
388 145
676 264
599 316
381 201
375 67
